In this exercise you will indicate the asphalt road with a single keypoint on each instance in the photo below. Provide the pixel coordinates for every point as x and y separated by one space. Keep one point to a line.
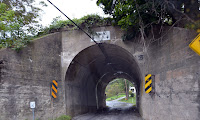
118 104
116 111
114 114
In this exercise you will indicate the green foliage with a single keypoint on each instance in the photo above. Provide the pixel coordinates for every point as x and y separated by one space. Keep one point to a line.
132 14
113 89
195 26
86 22
130 100
187 9
117 86
17 24
136 17
64 117
130 92
24 10
11 32
115 97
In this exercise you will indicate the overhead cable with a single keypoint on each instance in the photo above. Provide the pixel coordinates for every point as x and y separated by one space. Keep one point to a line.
72 21
99 45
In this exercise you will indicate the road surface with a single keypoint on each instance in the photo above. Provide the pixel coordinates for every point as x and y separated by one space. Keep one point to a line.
116 111
114 114
118 104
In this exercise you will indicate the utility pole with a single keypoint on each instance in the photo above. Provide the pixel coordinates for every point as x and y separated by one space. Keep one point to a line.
126 90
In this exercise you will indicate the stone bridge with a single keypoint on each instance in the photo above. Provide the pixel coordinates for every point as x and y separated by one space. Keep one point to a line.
83 69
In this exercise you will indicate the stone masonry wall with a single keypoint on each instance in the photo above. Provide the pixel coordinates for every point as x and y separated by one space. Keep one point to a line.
26 75
177 78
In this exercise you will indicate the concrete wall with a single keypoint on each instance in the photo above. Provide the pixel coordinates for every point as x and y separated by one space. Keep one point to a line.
26 75
177 77
75 41
169 58
84 64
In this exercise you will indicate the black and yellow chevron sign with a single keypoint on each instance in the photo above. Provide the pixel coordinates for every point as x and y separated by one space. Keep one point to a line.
54 89
148 83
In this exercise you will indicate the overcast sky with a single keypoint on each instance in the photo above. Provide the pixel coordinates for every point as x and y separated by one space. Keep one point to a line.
72 8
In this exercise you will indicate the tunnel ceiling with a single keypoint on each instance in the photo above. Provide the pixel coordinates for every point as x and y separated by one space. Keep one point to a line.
91 62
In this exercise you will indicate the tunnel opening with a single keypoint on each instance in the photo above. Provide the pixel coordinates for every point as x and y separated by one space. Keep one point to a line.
120 93
90 72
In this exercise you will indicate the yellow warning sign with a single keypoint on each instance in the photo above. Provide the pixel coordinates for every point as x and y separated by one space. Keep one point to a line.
148 83
54 89
195 44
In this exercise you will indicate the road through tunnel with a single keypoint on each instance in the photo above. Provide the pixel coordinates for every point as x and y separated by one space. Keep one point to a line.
89 73
113 95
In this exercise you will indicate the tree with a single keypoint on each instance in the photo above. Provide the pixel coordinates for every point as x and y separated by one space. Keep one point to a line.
138 16
127 93
183 8
117 86
113 90
17 23
25 10
131 15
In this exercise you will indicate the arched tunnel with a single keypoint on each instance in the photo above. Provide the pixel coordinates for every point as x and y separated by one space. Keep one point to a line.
90 72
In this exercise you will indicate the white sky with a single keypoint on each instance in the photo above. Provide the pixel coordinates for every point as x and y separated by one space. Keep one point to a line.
72 8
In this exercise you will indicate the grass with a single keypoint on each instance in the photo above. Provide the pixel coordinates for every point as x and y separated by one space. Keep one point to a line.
115 97
63 117
130 100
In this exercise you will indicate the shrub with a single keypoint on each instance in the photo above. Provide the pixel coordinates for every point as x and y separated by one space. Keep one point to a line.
132 94
64 117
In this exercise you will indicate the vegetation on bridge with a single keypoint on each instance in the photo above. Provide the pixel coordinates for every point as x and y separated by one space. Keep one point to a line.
137 17
87 22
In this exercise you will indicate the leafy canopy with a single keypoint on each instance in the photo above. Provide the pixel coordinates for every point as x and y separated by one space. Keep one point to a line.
131 14
17 23
117 86
134 15
25 10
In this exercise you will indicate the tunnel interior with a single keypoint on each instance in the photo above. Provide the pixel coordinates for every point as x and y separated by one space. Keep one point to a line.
90 72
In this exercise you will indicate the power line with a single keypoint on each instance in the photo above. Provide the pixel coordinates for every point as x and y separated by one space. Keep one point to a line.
72 21
99 44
